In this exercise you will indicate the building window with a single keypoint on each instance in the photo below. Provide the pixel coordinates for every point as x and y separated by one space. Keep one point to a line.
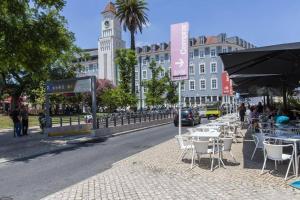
208 99
214 83
167 57
202 68
214 98
224 50
145 74
162 60
144 89
91 67
191 55
202 84
191 70
136 75
201 54
170 72
137 89
229 49
145 61
213 53
196 52
156 58
213 67
182 86
162 73
192 84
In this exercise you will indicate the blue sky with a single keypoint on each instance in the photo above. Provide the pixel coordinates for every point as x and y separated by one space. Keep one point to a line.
261 22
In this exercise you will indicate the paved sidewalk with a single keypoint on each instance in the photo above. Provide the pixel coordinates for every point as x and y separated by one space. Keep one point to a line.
153 174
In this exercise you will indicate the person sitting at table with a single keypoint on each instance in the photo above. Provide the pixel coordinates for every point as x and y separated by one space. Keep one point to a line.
254 117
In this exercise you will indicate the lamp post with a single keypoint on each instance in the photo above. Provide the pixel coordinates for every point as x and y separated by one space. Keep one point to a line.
141 101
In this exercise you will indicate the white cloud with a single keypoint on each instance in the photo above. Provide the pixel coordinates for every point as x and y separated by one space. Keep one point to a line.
147 25
141 43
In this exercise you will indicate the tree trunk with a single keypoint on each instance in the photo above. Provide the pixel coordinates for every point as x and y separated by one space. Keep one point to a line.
132 47
14 102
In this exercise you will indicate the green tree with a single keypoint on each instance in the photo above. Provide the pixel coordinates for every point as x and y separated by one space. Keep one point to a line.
126 61
132 14
156 87
117 98
171 89
33 36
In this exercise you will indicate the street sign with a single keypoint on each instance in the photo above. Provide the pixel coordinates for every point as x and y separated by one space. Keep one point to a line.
69 86
179 51
76 85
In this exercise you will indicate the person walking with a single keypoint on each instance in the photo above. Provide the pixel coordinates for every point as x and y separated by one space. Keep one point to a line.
24 116
15 116
260 108
242 112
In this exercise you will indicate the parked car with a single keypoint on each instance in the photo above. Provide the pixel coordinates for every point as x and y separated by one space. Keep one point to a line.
189 117
213 111
202 111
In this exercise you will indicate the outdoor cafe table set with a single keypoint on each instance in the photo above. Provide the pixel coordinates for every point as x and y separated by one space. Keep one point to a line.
287 134
213 131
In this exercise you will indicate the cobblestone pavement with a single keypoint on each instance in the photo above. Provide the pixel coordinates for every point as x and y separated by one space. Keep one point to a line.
153 174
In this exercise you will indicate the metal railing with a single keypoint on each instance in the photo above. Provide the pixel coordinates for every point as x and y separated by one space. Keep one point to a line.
112 120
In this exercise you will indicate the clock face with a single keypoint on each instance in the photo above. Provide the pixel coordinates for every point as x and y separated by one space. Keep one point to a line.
106 24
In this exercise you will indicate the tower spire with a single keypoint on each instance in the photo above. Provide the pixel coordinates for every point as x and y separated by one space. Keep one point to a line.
110 7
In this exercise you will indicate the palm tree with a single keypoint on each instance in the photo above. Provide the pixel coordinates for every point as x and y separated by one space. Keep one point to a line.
132 14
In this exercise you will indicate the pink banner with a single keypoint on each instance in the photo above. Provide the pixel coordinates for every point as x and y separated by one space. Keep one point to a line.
180 51
225 84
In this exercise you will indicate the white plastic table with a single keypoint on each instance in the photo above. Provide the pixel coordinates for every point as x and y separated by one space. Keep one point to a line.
289 138
210 134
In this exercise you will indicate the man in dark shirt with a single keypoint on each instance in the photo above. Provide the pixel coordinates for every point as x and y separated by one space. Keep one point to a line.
15 115
24 116
260 108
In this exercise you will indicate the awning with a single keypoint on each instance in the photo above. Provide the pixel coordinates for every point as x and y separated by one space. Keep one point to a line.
283 59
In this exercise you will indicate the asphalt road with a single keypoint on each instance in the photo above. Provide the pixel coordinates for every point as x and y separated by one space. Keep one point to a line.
40 176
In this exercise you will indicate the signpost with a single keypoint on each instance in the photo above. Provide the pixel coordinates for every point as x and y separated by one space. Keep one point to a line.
76 85
179 58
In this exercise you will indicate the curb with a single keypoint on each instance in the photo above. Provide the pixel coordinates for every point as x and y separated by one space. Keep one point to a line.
79 141
74 143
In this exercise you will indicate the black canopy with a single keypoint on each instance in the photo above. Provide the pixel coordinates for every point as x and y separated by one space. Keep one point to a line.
283 59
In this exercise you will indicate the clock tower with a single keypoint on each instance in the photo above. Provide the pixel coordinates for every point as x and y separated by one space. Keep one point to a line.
110 40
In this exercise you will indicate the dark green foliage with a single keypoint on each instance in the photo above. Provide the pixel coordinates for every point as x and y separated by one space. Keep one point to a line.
132 14
156 87
35 45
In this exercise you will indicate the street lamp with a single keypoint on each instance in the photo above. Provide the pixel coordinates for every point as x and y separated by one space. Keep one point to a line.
140 62
141 101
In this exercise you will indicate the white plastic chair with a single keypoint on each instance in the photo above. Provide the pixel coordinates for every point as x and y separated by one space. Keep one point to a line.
232 132
184 146
200 148
275 152
191 130
226 147
258 140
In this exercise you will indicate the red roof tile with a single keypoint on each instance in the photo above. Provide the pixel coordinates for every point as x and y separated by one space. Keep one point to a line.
110 7
211 40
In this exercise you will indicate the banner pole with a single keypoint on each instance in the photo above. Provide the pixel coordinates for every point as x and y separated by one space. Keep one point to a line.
179 108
